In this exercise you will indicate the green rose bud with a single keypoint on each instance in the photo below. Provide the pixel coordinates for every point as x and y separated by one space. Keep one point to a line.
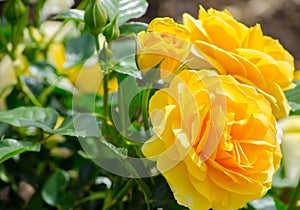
14 11
95 17
112 31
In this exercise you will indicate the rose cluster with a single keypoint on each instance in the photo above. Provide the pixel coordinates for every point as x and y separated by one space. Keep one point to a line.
215 135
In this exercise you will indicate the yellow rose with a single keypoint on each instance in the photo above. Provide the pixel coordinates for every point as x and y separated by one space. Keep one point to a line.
245 53
291 148
215 140
165 42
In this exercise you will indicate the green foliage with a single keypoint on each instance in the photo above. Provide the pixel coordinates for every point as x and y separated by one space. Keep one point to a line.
44 118
293 97
72 14
10 148
54 187
126 9
76 54
133 27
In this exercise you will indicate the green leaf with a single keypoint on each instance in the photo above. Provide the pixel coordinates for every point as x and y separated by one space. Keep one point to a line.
3 128
293 97
128 70
44 118
73 14
133 27
54 187
35 86
125 9
79 49
43 71
10 147
109 156
129 99
279 204
79 125
265 203
124 51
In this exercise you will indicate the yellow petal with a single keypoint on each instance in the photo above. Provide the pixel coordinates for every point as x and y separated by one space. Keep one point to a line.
223 61
183 189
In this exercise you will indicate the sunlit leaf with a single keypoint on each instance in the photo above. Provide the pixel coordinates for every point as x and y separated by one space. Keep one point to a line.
43 71
265 203
293 97
10 147
124 51
79 124
133 27
79 49
126 9
128 70
73 14
44 118
82 125
35 86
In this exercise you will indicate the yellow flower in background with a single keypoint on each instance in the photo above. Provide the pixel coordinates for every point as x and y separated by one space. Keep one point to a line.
245 53
87 78
215 140
7 79
291 148
165 42
56 56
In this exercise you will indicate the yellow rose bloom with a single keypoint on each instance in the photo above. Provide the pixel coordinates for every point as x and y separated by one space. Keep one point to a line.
166 43
215 140
245 53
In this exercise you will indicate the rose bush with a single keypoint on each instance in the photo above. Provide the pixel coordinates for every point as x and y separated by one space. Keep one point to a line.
212 131
247 54
165 43
211 163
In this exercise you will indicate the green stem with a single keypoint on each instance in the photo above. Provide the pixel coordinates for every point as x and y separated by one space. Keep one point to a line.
293 202
105 82
83 4
121 110
97 42
25 88
145 190
44 95
105 95
28 92
145 115
92 197
14 41
121 194
104 69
